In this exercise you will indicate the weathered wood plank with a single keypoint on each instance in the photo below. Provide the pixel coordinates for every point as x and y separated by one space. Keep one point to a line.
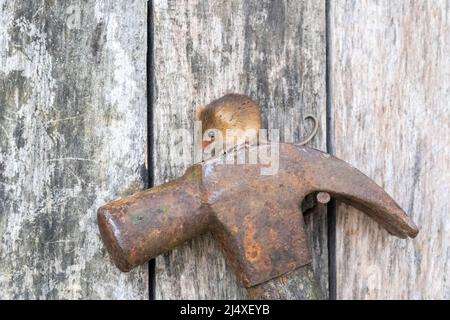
271 51
390 83
73 136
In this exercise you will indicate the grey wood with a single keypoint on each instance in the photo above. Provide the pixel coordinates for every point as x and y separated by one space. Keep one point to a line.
273 51
390 82
72 137
299 284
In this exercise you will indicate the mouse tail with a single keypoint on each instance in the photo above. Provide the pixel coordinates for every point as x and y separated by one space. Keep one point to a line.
314 131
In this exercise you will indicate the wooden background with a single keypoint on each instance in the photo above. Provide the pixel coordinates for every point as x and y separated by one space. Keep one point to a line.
79 81
390 97
73 136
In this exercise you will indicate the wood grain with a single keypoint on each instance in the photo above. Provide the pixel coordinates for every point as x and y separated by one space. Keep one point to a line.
299 284
72 104
390 82
272 51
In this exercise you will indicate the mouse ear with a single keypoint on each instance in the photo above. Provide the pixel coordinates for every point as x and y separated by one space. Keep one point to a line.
199 112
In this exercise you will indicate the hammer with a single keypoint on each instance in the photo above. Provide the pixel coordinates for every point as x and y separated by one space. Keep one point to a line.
256 218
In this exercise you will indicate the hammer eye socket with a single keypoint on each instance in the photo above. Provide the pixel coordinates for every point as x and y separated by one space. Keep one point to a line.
211 134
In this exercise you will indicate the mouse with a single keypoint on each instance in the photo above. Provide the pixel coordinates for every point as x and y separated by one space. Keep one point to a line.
235 111
232 111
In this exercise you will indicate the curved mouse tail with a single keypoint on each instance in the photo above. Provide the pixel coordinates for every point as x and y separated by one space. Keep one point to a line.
313 132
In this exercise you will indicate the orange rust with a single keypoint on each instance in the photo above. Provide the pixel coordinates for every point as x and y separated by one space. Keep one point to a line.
252 248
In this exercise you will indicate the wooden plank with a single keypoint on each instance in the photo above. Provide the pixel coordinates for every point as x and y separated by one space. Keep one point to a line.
271 51
73 134
390 82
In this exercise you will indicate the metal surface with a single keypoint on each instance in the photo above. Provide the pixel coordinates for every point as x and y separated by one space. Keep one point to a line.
256 218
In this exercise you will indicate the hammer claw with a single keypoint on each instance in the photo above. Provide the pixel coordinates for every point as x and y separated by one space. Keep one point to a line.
349 185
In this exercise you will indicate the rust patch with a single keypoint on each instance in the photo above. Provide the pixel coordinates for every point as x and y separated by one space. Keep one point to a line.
252 247
163 210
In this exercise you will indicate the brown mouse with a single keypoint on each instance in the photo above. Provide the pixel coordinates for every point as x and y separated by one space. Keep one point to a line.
235 111
232 111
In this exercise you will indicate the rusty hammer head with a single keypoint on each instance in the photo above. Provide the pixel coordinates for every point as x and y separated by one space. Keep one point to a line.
256 218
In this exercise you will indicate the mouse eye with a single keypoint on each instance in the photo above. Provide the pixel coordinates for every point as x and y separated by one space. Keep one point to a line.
211 134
